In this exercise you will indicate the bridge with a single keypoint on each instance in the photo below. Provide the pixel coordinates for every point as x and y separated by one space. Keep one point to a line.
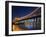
36 12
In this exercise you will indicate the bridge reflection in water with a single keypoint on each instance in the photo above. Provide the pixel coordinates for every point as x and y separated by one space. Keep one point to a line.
31 21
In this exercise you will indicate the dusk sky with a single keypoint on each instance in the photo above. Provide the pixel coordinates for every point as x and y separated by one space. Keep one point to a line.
20 11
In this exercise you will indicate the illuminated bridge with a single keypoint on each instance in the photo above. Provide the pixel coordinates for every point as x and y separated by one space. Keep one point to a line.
36 12
29 24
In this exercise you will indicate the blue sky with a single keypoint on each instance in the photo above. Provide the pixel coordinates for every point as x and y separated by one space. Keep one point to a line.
20 11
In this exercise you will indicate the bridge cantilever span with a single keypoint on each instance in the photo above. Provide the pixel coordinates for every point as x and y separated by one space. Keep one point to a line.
36 12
